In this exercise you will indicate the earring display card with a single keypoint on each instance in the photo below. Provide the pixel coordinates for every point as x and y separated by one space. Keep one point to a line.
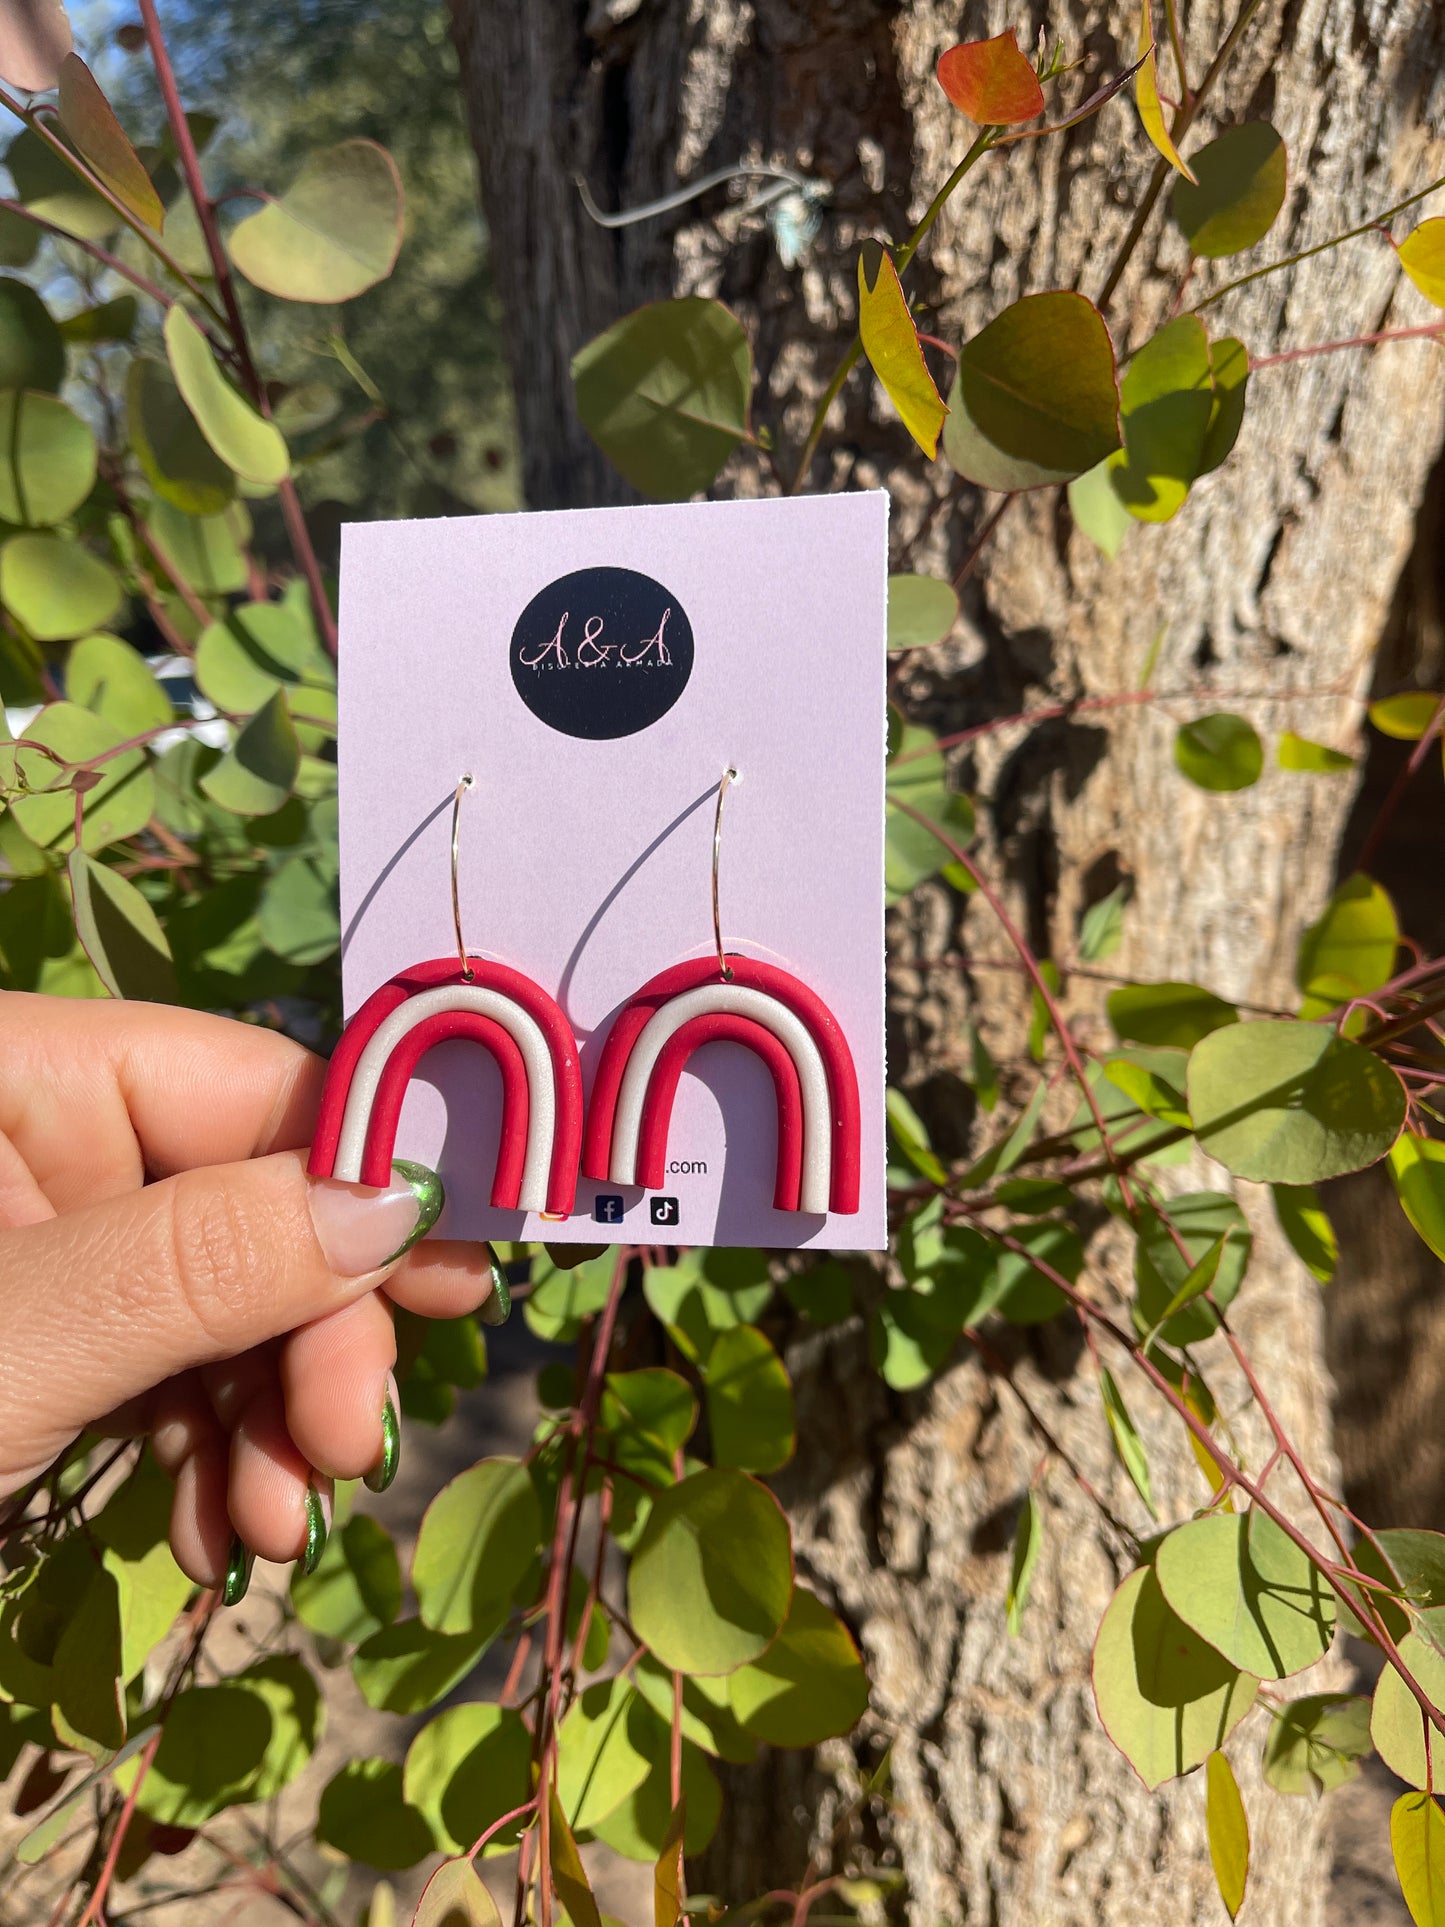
596 671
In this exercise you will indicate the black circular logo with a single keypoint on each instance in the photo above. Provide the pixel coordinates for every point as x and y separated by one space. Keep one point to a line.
602 653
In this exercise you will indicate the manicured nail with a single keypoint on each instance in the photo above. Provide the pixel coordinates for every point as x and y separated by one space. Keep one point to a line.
497 1306
316 1531
361 1229
384 1471
238 1572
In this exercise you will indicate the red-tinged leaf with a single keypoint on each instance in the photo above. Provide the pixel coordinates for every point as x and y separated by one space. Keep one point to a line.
456 1897
569 1876
667 1875
1146 94
1422 256
991 81
88 118
891 344
34 39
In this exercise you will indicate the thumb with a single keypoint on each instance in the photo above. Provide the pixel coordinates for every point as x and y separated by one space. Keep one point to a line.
99 1305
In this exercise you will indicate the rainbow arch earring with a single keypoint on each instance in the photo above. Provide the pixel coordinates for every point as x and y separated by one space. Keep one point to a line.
736 999
469 997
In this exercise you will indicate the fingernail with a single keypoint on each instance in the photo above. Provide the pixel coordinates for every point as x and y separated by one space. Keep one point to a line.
360 1229
496 1309
384 1471
238 1572
317 1528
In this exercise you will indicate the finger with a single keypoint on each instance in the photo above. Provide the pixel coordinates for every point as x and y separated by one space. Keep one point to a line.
445 1278
182 1422
279 1506
21 1199
200 1525
334 1379
231 1385
99 1095
99 1305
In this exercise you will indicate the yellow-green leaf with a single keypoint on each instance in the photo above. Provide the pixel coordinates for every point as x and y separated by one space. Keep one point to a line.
1417 1840
1298 752
120 932
569 1876
88 118
1422 256
667 1875
248 444
455 1897
333 234
1228 1832
1407 716
1146 95
1417 1164
890 341
47 459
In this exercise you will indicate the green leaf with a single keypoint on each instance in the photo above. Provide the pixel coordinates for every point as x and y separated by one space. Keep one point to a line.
206 550
598 1764
1422 256
456 1897
1315 1743
406 1667
1417 1840
1397 1726
175 457
708 1720
1040 1021
258 772
912 851
213 1743
1237 191
1229 377
1166 400
749 1402
809 1686
56 588
298 915
1417 1166
88 118
1166 1699
1097 510
364 1814
49 187
466 1768
1022 1293
653 1408
47 459
1219 752
109 678
333 234
1228 1827
1101 929
120 932
89 1700
356 1589
638 1829
1199 1279
667 1885
823 1293
252 447
1035 399
112 320
991 81
1028 1541
32 353
712 1574
910 1134
665 393
256 649
1169 1014
133 1528
118 805
1304 1222
568 1874
890 341
37 1843
1200 1221
1299 753
1244 1586
921 611
1289 1103
1350 951
1406 717
701 1296
477 1540
1155 1096
1127 1443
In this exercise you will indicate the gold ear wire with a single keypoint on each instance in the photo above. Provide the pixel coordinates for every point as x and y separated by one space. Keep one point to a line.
729 775
465 784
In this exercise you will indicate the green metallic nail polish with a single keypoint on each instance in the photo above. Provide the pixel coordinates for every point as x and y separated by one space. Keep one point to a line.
238 1573
430 1196
384 1471
315 1531
497 1308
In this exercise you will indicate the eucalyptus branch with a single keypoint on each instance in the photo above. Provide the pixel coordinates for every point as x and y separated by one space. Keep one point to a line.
1428 331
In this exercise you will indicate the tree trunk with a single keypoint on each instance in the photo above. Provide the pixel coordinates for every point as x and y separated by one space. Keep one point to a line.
1006 1802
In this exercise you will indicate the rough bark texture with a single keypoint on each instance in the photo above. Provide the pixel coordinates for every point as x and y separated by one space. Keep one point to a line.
1269 592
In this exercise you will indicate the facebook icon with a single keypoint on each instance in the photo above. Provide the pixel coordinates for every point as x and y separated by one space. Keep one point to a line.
607 1209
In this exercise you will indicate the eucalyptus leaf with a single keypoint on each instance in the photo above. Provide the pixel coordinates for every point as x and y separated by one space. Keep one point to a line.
120 931
1244 1586
712 1574
248 444
47 459
334 233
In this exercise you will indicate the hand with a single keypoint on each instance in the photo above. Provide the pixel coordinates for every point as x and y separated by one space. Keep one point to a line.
166 1265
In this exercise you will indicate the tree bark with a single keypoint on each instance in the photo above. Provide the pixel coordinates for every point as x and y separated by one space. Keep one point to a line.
1267 593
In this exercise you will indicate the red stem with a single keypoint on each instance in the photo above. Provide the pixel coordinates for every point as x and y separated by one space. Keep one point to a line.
94 1906
1431 331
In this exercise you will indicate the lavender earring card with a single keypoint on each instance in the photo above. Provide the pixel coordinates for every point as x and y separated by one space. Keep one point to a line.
595 672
